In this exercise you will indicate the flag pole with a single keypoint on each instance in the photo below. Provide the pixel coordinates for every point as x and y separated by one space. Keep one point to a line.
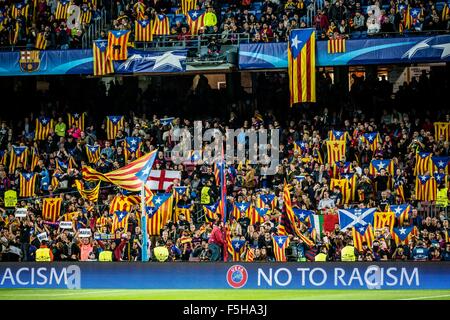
144 224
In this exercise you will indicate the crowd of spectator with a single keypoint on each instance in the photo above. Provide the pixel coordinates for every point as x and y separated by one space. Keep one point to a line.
403 133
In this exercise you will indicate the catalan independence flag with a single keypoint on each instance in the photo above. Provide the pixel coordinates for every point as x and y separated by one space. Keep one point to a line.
139 9
336 135
113 125
345 188
362 233
187 5
85 14
442 129
423 163
91 195
403 234
118 44
280 243
302 66
51 209
120 203
3 156
401 212
102 62
386 164
257 215
195 20
440 163
62 9
335 151
132 148
27 184
161 25
21 7
159 213
143 31
236 249
34 158
129 177
336 45
179 192
43 127
93 153
372 139
76 119
41 42
426 188
445 15
18 155
383 219
183 209
120 220
211 211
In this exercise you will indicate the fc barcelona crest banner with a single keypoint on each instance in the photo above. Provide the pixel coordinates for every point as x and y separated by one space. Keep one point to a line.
29 61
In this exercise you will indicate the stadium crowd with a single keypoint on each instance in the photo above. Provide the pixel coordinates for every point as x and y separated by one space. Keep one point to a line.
196 235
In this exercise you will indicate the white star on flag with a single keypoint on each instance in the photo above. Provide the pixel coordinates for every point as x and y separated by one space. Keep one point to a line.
158 200
423 178
361 229
76 115
44 121
380 165
370 138
440 163
213 208
101 44
338 134
302 215
242 207
195 14
402 231
121 216
133 141
236 245
398 210
147 170
295 42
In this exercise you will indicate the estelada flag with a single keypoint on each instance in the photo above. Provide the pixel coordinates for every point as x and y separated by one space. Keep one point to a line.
117 44
383 219
120 220
143 31
113 125
442 129
195 20
19 154
335 151
43 127
102 62
77 119
302 66
161 25
27 184
336 45
93 153
41 42
280 243
426 188
62 9
423 163
91 195
362 233
51 209
187 5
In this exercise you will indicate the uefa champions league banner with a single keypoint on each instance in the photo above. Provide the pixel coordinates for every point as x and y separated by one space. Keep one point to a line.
357 52
123 275
59 62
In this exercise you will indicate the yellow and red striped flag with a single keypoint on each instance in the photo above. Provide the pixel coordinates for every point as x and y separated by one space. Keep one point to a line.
143 31
27 184
382 219
211 211
62 9
51 209
280 243
76 119
120 220
235 249
91 195
423 163
302 66
249 254
113 125
139 9
401 212
183 209
336 135
426 188
159 213
130 177
336 45
41 42
362 233
400 192
21 7
372 139
442 129
187 5
132 148
445 16
402 235
93 153
85 14
257 214
43 127
195 20
345 188
161 25
335 151
34 158
18 155
121 203
118 44
102 62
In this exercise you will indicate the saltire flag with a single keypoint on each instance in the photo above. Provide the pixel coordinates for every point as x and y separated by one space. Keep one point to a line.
362 233
303 215
119 221
43 127
442 129
27 184
236 249
161 25
76 119
117 44
257 215
187 5
3 157
162 179
18 155
113 125
93 153
195 20
373 139
336 45
302 66
335 151
401 212
179 192
85 14
280 243
183 209
345 188
34 158
129 177
143 31
335 135
62 9
102 63
440 163
300 147
211 211
382 219
41 42
132 147
349 217
51 209
426 188
21 7
403 234
159 213
445 16
91 195
423 163
386 164
351 179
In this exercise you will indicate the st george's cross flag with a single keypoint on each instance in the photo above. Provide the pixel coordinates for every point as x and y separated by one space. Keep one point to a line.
162 179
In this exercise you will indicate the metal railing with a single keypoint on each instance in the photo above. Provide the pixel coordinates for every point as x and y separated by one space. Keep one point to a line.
94 29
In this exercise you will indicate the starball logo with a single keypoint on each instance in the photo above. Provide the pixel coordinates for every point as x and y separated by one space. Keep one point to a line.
249 146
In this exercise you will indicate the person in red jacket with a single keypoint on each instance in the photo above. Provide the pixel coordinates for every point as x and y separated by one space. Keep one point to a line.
216 241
